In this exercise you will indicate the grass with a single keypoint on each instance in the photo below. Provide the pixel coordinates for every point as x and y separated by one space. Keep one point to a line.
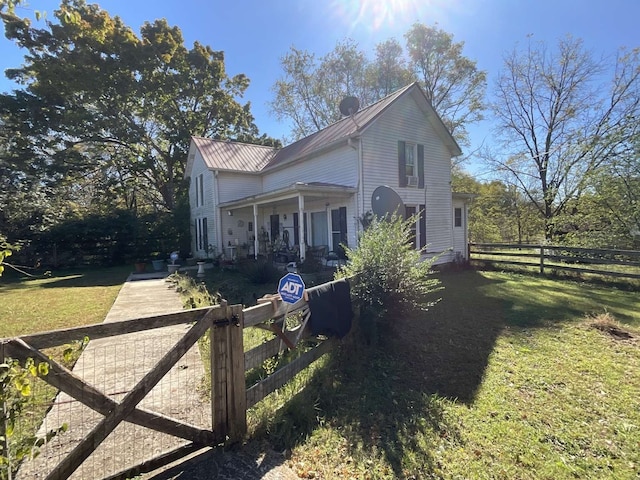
509 376
65 299
505 378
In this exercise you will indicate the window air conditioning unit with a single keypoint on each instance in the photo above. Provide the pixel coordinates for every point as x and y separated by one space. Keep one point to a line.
412 181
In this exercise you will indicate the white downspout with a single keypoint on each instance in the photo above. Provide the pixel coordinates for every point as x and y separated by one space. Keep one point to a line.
329 226
466 230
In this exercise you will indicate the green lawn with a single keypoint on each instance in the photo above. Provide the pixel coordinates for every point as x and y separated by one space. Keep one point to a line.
505 378
65 299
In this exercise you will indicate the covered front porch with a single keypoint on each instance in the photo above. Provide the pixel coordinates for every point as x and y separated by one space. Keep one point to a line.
289 224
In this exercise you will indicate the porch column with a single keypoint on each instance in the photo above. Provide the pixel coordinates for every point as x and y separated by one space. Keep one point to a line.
329 227
256 241
303 246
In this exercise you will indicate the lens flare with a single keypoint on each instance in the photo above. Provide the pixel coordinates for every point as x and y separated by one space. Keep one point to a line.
376 15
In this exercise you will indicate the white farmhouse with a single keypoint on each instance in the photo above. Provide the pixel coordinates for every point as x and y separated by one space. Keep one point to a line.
310 196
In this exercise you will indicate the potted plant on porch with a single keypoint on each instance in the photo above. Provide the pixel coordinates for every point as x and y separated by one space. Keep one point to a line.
140 265
157 261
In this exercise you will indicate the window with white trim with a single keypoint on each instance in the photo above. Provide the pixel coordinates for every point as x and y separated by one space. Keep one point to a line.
410 160
457 217
410 164
200 190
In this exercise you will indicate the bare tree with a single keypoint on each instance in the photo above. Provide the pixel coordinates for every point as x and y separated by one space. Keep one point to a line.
561 115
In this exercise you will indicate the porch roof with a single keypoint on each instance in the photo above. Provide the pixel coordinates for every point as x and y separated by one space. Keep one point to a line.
314 189
466 197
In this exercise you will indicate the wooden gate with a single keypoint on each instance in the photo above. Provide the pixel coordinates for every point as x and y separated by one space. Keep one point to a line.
228 361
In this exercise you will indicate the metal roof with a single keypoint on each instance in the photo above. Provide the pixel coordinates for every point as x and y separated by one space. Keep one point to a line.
340 130
226 155
291 192
235 156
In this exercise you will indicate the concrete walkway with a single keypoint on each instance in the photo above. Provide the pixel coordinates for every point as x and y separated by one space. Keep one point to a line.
144 295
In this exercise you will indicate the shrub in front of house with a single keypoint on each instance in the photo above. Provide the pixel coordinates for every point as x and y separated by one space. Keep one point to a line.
388 274
260 272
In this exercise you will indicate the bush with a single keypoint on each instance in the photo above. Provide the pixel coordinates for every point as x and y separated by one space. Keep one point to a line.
310 265
261 272
192 293
388 273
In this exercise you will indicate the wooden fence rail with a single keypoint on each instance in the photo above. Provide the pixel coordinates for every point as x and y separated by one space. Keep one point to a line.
610 262
230 397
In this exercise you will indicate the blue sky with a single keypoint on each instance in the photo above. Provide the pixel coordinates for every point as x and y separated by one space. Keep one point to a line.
255 34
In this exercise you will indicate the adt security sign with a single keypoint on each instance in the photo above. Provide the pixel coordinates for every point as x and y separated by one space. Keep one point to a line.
291 288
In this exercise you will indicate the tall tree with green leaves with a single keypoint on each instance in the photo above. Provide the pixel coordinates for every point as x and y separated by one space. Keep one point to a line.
562 116
452 82
101 102
388 71
607 214
499 213
310 89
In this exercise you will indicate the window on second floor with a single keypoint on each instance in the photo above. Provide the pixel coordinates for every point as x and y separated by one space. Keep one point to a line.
409 159
200 190
410 165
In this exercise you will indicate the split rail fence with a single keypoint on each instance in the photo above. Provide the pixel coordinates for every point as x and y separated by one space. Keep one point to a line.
604 262
230 398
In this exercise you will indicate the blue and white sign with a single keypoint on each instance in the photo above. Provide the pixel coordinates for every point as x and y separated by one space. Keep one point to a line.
291 288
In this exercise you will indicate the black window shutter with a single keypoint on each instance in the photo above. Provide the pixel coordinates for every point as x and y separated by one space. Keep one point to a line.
423 226
421 166
402 165
205 233
343 225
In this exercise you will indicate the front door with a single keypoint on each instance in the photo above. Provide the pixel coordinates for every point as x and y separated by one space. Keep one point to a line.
339 230
319 229
275 227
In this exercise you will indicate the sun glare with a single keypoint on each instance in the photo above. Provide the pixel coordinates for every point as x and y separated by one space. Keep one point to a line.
376 15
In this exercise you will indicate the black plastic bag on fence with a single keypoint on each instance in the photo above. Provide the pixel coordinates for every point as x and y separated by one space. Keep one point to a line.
330 307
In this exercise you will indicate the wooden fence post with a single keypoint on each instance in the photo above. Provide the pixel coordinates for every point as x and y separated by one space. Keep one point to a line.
237 398
228 391
218 381
541 259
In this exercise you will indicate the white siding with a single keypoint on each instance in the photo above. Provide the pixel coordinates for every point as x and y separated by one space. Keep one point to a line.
378 148
405 121
339 167
234 186
208 210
